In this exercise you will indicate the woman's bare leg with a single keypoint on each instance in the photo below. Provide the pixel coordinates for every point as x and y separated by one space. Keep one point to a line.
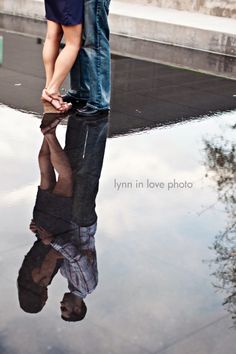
61 164
66 58
47 174
51 48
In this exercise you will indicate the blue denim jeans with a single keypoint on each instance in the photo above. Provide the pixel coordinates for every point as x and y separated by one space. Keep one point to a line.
91 74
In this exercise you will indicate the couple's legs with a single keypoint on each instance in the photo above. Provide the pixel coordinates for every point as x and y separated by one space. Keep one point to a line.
57 65
90 75
52 156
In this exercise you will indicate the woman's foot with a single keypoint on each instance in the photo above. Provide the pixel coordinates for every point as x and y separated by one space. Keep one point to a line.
55 100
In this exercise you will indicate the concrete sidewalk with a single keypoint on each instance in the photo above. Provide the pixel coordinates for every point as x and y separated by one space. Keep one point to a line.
180 28
150 23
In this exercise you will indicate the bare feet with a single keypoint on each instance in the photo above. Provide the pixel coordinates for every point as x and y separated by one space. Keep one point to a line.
55 100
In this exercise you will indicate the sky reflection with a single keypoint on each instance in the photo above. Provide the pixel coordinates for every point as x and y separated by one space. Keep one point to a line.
155 293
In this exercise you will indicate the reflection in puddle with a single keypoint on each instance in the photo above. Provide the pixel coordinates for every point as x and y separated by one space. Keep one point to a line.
221 166
154 292
64 218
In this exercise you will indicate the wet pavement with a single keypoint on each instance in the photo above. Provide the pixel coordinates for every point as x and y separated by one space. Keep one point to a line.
165 206
145 95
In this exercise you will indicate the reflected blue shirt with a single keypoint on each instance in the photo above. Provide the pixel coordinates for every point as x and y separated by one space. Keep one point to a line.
79 266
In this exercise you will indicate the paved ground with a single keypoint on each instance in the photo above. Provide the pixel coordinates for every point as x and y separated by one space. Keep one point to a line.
144 94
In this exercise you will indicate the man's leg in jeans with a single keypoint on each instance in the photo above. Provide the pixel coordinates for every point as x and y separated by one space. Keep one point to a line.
85 148
79 79
90 76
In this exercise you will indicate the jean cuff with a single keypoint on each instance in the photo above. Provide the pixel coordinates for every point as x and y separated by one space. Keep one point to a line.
96 107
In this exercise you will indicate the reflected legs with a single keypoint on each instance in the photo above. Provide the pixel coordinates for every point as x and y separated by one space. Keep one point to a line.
47 174
53 157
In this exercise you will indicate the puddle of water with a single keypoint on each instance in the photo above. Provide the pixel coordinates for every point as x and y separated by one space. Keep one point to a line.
158 214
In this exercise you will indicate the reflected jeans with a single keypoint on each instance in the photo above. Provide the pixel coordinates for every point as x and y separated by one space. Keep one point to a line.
85 148
91 74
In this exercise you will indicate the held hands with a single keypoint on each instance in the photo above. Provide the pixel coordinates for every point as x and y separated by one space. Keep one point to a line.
45 236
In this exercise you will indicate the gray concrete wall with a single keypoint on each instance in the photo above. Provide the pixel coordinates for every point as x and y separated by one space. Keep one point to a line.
224 8
31 9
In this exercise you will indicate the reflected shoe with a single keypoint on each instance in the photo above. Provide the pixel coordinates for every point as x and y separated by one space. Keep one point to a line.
90 112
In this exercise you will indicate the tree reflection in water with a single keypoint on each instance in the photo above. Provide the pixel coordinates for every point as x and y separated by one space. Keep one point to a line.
221 167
